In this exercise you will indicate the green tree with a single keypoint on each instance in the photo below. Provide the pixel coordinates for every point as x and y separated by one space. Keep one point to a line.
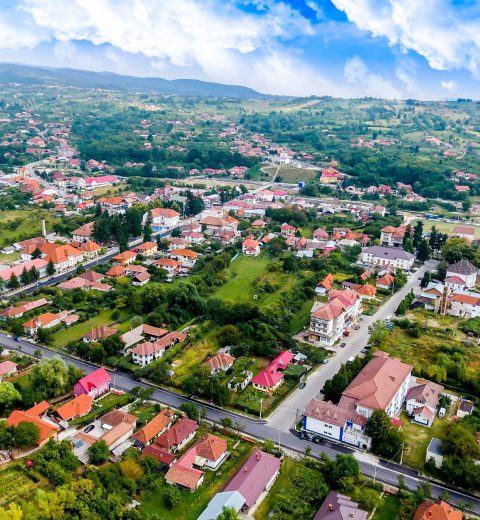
50 268
423 251
13 283
194 205
34 274
426 279
228 513
99 452
147 228
400 279
387 441
417 233
379 333
25 277
171 496
190 409
26 435
408 244
8 394
36 253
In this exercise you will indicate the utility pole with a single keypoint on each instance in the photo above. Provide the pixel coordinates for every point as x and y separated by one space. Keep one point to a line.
261 404
401 454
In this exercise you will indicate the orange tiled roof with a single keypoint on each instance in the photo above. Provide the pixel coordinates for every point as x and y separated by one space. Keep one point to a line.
77 407
184 252
154 427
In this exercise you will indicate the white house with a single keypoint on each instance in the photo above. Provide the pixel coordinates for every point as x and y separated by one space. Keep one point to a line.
147 352
422 400
251 247
464 305
163 218
461 275
395 257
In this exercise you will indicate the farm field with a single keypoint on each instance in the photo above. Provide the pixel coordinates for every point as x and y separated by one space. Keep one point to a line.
291 174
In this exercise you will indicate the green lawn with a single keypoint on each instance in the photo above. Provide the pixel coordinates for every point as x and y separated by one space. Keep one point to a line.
388 509
301 318
77 331
19 224
447 227
191 505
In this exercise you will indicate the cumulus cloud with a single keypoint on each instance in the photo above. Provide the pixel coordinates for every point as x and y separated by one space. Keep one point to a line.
357 73
450 85
445 33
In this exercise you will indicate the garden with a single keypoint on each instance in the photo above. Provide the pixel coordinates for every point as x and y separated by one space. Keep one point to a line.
17 483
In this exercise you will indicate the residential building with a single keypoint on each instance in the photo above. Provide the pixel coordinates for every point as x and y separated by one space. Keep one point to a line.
435 452
141 279
81 282
125 258
329 320
340 507
464 232
460 275
224 499
183 474
163 218
325 285
63 256
270 378
464 305
90 249
381 385
465 407
158 425
254 479
40 265
49 320
116 272
7 368
220 362
143 332
33 415
170 265
98 333
76 407
385 282
178 436
392 237
438 510
287 230
395 257
83 233
94 384
147 249
20 309
251 247
147 352
114 205
164 457
186 257
422 400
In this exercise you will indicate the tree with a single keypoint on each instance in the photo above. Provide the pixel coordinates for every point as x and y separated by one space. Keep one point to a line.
25 277
34 274
194 205
147 228
190 409
98 210
8 394
417 233
227 422
426 279
133 218
36 253
387 441
408 244
50 268
13 283
400 279
171 496
456 249
379 333
26 435
99 452
228 513
423 251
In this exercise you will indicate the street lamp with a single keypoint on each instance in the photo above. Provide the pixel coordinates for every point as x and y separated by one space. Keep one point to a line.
261 403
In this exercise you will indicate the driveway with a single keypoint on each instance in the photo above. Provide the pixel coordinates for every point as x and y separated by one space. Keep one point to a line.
290 410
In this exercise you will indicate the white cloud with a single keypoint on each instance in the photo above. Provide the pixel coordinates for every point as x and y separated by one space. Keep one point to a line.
450 85
357 73
447 36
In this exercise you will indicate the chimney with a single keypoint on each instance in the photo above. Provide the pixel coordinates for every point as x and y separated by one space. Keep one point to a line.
44 229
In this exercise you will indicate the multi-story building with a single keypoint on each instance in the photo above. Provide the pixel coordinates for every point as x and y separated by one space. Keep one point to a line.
163 218
394 257
461 275
328 321
392 236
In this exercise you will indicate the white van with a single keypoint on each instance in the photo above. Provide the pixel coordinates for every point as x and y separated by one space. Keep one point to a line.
441 413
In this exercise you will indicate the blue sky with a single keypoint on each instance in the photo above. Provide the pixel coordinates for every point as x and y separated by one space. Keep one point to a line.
424 49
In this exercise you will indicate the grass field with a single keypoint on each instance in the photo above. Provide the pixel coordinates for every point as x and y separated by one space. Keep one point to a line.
23 223
291 174
388 509
191 505
447 227
77 331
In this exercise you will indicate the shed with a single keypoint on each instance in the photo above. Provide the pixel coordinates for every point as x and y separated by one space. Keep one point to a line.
434 451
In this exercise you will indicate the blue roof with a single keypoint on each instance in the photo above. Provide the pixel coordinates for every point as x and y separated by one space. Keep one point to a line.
219 501
435 446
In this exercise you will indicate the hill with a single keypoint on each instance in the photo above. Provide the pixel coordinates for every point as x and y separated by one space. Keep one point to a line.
14 73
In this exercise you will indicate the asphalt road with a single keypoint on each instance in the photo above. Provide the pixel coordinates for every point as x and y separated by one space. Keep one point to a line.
370 466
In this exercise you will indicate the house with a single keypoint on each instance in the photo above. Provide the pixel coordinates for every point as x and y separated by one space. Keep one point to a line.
19 310
162 456
114 205
143 332
85 283
435 452
464 305
94 384
258 224
395 257
366 291
287 230
422 400
40 265
320 234
438 510
225 499
162 218
83 233
340 507
158 425
33 415
169 264
462 188
49 320
116 272
141 279
211 451
63 256
147 249
90 249
76 407
125 258
385 282
146 352
178 436
329 320
251 247
103 180
183 474
193 237
254 479
464 232
270 378
460 275
382 384
325 285
220 362
98 333
465 407
432 295
186 257
7 368
392 237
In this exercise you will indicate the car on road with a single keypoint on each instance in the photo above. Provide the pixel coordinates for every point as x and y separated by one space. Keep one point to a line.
304 435
357 327
89 428
302 385
343 345
325 361
388 318
18 338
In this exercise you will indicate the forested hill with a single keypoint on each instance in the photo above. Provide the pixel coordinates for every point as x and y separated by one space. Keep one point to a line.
13 73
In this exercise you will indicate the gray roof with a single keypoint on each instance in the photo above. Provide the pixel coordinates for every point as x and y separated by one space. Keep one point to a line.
340 507
219 501
392 253
435 446
462 267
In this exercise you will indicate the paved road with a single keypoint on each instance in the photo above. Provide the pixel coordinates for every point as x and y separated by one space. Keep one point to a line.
284 417
370 466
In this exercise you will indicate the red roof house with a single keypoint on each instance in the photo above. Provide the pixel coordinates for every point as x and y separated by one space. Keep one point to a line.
93 384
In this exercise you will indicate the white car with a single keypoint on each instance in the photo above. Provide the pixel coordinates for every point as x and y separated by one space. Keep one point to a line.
441 413
388 318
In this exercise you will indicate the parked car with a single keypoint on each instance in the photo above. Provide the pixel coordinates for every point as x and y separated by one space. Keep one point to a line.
325 361
357 327
89 428
302 385
388 318
343 345
441 413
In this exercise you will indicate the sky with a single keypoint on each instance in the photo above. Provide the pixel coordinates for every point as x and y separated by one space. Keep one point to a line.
422 49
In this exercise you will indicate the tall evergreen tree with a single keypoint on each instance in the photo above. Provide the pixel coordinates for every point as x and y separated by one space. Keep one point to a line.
50 268
36 253
13 283
417 233
147 228
98 210
423 251
34 274
25 277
